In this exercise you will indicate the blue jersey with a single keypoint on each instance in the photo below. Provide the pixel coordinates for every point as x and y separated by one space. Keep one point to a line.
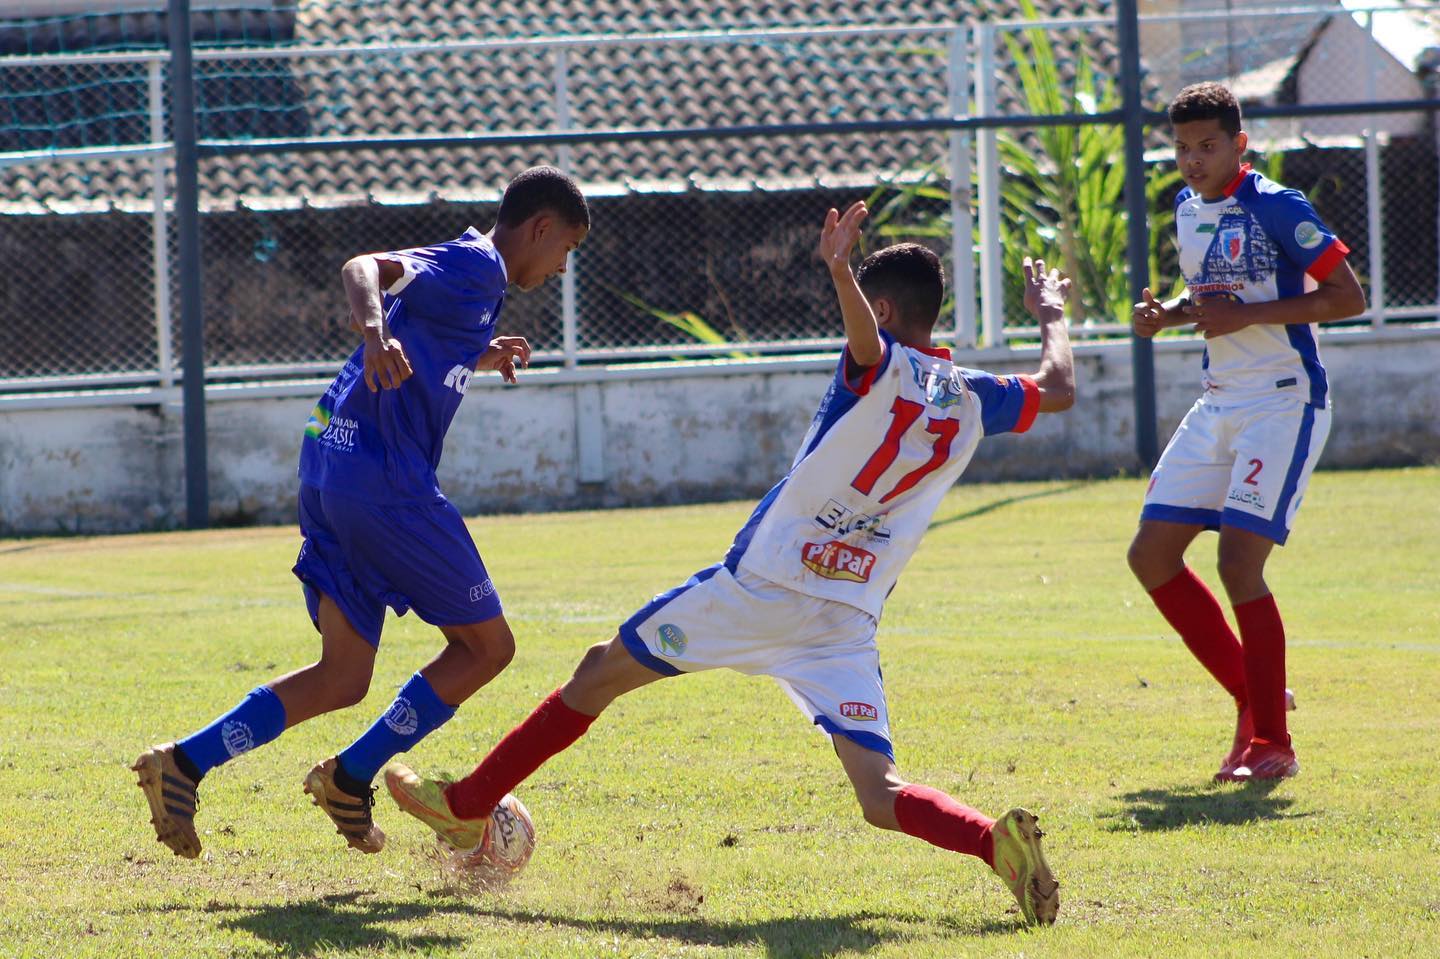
1257 243
385 446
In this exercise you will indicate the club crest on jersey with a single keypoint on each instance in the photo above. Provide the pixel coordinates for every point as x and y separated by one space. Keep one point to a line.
1232 244
940 391
861 711
849 564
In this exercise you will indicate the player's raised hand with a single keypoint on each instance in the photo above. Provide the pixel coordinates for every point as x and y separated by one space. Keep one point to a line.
386 365
840 234
1148 316
503 354
1045 291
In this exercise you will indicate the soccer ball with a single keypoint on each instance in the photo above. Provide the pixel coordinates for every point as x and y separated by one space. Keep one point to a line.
505 849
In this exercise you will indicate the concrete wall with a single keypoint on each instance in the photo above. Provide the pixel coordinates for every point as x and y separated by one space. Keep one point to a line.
637 437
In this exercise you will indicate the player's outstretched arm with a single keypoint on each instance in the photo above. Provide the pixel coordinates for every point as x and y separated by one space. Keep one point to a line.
837 240
1046 293
386 365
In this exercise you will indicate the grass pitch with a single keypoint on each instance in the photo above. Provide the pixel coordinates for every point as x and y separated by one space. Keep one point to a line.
703 816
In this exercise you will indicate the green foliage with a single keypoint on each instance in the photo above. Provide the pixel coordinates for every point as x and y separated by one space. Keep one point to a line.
1062 188
689 322
703 816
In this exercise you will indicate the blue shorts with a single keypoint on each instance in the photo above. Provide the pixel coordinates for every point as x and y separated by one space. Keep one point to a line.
366 556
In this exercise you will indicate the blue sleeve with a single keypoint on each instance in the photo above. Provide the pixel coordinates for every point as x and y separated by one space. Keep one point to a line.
1290 221
454 283
1184 194
861 384
1008 404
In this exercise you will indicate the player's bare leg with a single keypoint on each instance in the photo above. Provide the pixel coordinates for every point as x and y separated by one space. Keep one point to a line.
474 654
340 678
1010 846
459 811
1157 553
1243 555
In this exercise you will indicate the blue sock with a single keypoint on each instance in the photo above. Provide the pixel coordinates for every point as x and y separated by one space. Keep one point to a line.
415 713
259 718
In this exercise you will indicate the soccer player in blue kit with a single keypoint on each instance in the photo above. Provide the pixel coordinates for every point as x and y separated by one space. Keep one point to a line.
1261 270
377 530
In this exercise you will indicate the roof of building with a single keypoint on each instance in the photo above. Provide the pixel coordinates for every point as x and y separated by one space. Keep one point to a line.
381 92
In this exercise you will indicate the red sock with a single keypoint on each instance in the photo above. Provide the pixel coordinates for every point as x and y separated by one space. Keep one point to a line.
548 730
931 815
1192 611
1264 636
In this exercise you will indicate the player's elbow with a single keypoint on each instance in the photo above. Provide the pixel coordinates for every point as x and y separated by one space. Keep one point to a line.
1354 301
1057 390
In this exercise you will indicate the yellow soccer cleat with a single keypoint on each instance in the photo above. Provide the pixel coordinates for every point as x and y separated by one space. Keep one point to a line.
350 814
172 800
425 800
1021 865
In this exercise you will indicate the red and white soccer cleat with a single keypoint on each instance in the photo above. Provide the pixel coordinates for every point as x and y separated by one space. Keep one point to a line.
1265 761
1244 732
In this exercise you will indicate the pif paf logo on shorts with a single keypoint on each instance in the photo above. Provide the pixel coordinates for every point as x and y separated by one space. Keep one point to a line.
861 711
837 561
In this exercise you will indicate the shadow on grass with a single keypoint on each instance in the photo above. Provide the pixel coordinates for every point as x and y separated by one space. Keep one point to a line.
1007 501
1159 809
354 921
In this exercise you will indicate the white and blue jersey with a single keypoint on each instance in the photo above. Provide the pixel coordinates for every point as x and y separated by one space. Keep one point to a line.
880 454
385 446
1256 244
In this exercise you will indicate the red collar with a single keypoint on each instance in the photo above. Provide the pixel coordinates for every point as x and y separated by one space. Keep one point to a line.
939 352
1234 184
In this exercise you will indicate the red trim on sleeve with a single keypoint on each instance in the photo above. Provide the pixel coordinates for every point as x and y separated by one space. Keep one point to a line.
867 380
1032 404
1234 184
1326 262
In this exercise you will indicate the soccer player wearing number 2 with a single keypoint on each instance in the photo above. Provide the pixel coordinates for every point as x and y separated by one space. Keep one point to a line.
799 594
378 531
1261 270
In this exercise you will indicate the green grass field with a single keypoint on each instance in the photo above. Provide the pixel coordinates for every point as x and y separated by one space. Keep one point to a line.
702 816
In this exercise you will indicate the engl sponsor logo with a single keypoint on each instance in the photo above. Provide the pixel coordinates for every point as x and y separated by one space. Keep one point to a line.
861 711
849 564
841 520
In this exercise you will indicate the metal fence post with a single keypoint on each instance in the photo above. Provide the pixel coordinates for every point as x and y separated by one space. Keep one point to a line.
187 224
1373 203
569 335
159 225
962 241
1137 241
992 288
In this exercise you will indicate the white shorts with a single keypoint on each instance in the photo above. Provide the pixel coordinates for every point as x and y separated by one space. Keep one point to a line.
1245 466
822 653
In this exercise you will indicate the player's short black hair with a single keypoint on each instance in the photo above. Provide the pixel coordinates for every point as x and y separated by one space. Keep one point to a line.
909 276
1207 101
542 188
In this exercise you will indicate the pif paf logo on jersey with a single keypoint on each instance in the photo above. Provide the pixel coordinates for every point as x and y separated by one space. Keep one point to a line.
850 564
861 711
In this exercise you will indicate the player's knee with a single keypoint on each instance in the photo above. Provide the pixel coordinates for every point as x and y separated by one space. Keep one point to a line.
346 687
878 807
1239 573
1139 556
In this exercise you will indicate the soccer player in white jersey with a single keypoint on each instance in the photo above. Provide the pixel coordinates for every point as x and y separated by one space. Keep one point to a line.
1261 270
799 594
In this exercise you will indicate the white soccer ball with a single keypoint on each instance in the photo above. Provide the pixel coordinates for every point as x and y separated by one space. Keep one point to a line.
506 847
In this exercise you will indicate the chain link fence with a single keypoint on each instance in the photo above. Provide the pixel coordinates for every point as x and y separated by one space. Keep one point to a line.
703 243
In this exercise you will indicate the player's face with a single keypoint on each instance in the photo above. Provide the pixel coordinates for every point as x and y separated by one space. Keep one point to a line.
1207 156
553 240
